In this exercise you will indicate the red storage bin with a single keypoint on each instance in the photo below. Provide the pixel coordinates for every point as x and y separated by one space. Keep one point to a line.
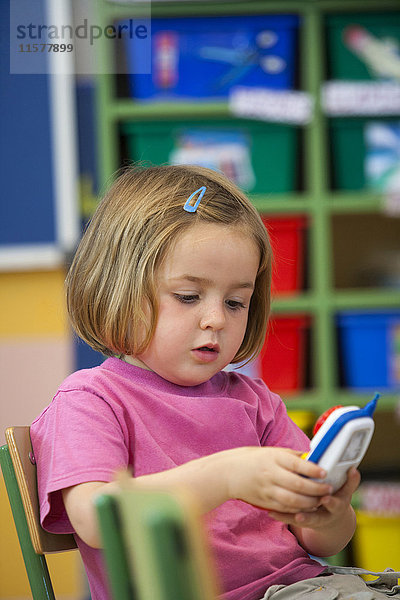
283 357
287 235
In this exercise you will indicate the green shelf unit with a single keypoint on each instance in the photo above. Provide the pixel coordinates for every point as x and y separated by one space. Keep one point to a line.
303 302
354 202
321 300
282 203
371 298
158 111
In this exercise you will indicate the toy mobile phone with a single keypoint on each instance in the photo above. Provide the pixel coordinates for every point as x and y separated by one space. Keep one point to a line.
341 440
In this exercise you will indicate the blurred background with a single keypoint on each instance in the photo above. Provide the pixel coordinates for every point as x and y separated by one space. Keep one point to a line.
298 102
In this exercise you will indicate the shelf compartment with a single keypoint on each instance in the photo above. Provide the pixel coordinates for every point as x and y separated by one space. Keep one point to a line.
345 63
283 359
373 262
354 144
369 349
204 57
287 234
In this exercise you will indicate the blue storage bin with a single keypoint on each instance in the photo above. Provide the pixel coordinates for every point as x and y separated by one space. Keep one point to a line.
199 57
369 345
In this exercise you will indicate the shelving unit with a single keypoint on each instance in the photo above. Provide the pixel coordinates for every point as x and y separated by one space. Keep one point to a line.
317 201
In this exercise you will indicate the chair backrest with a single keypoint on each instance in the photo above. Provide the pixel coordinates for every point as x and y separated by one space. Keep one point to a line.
19 471
21 452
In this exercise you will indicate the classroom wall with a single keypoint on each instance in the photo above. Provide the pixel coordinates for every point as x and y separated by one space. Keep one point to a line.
36 354
35 344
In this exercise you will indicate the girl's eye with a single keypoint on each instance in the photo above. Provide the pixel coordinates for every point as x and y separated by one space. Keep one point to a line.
186 298
235 304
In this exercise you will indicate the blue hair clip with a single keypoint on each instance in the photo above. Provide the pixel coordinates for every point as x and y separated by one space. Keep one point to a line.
189 206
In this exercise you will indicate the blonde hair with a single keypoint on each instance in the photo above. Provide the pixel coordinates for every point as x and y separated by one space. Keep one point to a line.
113 274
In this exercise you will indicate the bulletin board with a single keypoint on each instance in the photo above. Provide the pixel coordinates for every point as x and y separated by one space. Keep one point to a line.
39 221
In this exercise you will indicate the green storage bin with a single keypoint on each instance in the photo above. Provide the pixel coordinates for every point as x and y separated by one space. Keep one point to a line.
346 64
349 151
272 148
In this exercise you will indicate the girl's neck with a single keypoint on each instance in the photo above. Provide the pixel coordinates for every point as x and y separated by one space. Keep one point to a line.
134 361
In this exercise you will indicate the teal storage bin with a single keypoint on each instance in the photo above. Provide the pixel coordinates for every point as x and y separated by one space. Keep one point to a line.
369 346
360 48
262 156
348 153
363 30
350 150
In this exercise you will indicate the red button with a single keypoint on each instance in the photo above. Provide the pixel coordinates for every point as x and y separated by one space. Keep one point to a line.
321 420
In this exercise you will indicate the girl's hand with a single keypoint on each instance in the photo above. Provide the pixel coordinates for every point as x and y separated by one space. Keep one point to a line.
331 508
276 479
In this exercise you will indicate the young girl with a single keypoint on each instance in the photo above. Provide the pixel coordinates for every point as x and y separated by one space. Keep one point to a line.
172 282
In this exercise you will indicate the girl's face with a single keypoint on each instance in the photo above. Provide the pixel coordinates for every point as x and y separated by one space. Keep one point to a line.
204 289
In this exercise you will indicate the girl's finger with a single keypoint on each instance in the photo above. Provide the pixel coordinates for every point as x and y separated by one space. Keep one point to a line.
311 519
299 518
288 518
304 486
352 483
294 463
330 503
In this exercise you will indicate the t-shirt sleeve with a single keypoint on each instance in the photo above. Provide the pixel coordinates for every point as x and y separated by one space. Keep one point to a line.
278 428
77 439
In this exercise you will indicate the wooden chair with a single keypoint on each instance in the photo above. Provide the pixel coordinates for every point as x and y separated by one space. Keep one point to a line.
19 471
154 534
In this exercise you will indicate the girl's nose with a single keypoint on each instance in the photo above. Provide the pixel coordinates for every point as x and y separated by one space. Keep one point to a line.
213 318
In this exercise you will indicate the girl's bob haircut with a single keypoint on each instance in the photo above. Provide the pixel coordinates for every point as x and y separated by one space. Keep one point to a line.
113 278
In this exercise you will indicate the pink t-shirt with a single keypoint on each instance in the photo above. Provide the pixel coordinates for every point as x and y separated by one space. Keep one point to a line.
118 415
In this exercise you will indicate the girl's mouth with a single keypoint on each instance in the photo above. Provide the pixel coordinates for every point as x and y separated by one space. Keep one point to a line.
206 354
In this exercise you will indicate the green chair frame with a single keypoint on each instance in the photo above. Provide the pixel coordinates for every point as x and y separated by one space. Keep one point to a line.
154 534
19 472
